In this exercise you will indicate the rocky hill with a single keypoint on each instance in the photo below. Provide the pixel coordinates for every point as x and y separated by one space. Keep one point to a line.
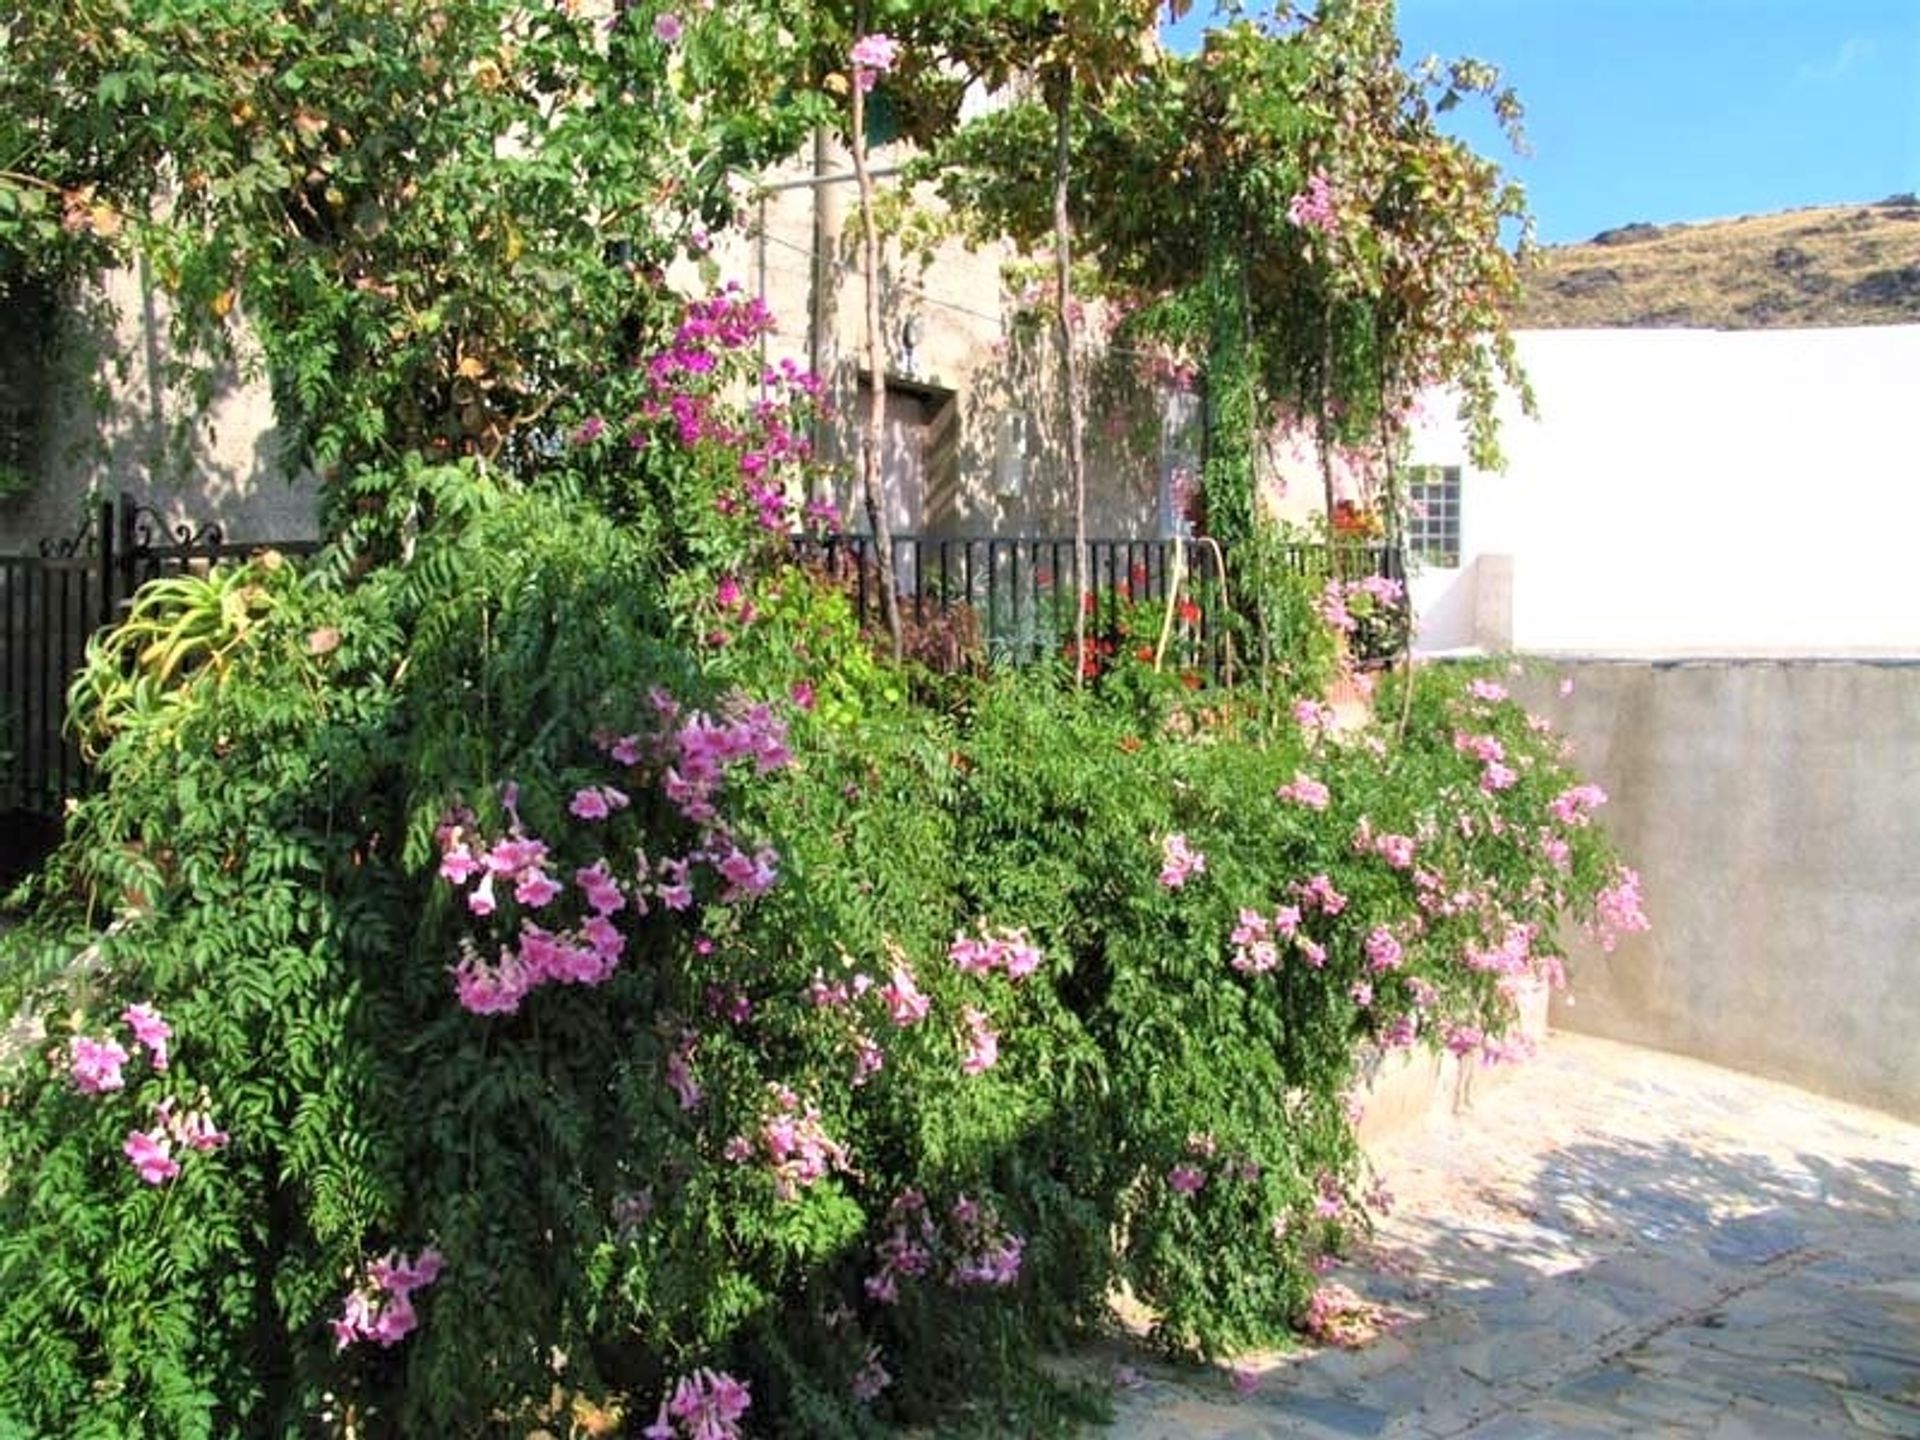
1834 265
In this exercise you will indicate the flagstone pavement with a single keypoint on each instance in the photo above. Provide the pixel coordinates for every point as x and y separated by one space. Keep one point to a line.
1614 1242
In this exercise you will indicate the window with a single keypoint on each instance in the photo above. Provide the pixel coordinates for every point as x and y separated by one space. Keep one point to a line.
1433 515
26 317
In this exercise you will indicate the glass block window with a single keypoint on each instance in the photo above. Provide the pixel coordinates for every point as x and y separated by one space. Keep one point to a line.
1433 515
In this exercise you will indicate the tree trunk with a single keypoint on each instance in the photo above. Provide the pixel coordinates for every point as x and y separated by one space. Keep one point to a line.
1070 367
871 483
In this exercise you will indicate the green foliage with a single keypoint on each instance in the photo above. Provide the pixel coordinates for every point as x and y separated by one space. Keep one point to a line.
1184 188
267 858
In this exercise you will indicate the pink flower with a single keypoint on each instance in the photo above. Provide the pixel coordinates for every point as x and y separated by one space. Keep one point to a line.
459 865
1572 807
1178 862
1319 892
601 891
905 1002
1313 208
96 1065
1488 690
1186 1179
983 1045
195 1130
1497 777
1396 850
1312 716
596 802
1566 685
873 56
535 888
150 1152
667 28
1383 950
680 1074
481 901
1617 909
871 1379
1305 790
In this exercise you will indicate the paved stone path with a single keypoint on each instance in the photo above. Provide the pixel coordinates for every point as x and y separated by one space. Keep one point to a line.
1614 1242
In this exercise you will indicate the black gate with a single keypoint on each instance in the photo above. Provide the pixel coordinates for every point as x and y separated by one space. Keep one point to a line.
51 603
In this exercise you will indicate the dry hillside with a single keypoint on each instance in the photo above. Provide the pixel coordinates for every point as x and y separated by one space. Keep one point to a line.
1836 265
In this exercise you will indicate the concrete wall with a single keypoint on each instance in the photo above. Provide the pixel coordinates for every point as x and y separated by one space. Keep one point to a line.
1696 491
1773 811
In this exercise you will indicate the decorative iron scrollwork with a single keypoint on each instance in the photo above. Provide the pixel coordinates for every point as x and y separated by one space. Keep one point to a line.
85 541
145 530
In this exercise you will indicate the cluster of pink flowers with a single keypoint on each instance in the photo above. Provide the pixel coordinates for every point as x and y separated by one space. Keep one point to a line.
1305 790
873 56
1010 950
1575 807
906 1003
1396 850
1255 950
679 1071
1491 691
1178 862
1337 1316
986 1253
381 1309
1337 597
870 1379
1512 956
1314 717
908 1249
95 1065
983 1253
1318 893
690 756
1384 951
1617 910
1496 774
982 1042
1189 1177
151 1151
1333 607
794 1142
683 381
706 1405
1313 207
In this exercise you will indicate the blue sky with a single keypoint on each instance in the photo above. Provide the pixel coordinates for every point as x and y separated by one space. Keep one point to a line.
1665 110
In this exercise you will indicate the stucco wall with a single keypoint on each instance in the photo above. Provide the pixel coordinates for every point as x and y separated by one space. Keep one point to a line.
1773 811
1696 491
119 421
994 353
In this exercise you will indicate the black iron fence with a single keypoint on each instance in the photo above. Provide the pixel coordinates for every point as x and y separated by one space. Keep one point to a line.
1010 601
51 602
997 601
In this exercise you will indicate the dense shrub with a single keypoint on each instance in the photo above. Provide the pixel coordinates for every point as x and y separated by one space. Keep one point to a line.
538 970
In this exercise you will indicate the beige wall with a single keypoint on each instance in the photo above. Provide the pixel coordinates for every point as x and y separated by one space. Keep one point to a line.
118 420
120 423
977 342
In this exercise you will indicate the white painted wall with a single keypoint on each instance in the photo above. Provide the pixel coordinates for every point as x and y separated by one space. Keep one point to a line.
1694 491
